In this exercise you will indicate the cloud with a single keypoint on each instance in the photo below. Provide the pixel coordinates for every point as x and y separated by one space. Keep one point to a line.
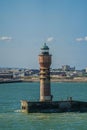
85 38
5 38
50 39
80 39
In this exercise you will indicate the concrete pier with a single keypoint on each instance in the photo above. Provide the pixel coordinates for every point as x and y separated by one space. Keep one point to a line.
53 107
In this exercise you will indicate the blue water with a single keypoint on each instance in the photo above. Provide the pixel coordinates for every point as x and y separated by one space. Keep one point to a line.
12 119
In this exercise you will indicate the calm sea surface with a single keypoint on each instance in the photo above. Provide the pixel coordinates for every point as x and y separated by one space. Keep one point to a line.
12 119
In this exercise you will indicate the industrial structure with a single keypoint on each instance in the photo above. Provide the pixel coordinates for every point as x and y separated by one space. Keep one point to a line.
46 104
45 62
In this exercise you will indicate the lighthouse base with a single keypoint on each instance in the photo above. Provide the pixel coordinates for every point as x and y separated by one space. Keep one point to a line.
53 106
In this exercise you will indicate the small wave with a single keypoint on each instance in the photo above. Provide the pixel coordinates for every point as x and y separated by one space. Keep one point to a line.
17 110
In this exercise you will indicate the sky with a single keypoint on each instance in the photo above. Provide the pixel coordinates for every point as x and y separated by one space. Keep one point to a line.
26 24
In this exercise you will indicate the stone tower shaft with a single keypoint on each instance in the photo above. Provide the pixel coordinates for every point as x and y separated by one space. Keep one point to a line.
45 62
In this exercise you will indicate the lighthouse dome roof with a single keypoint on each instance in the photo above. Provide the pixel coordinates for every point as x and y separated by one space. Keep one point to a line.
45 47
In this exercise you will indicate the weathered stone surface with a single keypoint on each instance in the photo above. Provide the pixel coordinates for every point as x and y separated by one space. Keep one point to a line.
53 107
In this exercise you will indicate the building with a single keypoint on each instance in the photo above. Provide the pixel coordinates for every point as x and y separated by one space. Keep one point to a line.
45 62
6 75
86 69
67 68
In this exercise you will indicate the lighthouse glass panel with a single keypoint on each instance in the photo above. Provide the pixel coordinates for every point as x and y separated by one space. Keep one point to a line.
44 51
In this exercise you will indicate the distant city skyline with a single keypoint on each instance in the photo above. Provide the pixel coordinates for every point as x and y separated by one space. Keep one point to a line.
26 24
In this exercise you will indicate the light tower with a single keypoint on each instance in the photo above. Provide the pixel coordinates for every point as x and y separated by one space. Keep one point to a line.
45 62
46 105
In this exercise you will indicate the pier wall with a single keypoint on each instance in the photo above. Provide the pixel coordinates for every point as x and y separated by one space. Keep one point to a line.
53 107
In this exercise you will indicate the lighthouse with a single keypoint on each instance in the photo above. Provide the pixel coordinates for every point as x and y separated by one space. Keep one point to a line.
46 105
45 62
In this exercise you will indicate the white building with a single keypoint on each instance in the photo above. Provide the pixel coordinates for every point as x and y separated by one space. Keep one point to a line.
86 69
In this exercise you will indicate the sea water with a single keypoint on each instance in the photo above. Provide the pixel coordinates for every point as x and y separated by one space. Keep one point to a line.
11 117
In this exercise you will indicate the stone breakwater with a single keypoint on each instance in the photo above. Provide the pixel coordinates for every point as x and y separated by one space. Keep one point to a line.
70 80
53 106
78 79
